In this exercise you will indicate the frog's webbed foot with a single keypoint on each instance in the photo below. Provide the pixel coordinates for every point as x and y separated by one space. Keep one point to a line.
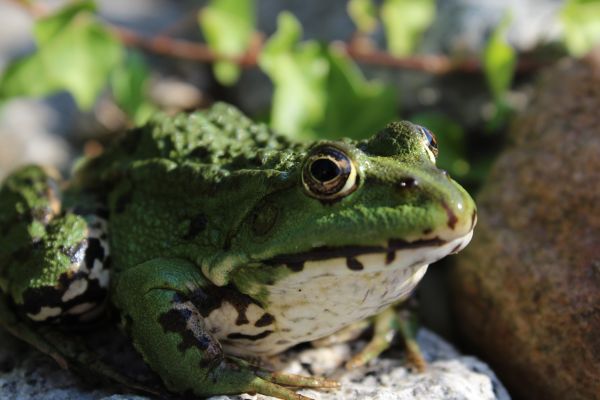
277 384
163 304
386 325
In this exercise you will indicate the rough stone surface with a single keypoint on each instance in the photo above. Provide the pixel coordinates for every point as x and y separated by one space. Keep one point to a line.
528 286
27 374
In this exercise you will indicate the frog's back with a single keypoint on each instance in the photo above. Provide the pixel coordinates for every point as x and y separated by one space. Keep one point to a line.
219 137
159 183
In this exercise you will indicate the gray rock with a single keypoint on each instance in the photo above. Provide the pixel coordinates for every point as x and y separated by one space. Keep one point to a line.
27 135
27 374
532 311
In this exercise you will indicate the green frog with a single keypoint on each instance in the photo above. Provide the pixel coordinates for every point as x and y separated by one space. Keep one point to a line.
218 241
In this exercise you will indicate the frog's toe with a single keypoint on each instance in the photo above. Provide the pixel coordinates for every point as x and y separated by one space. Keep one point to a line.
267 388
276 384
386 325
299 381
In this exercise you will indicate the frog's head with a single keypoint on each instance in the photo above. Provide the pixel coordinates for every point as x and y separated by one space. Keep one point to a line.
380 197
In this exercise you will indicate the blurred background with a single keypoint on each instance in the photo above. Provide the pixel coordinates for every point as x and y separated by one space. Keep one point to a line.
73 74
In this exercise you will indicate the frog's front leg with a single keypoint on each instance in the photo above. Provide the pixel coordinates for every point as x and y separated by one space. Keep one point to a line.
52 261
160 303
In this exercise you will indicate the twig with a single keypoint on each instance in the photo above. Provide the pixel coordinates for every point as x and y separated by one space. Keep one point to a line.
194 51
429 63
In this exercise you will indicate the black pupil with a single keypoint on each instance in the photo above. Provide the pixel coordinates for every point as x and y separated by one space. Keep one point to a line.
324 170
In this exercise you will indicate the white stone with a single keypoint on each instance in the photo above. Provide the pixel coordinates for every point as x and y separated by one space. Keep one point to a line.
449 375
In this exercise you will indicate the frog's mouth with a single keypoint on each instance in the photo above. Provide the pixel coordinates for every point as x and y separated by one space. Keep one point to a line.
394 253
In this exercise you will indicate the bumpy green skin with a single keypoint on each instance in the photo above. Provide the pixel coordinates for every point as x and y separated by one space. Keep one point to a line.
202 201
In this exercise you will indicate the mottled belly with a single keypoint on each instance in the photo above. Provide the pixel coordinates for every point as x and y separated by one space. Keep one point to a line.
313 303
322 297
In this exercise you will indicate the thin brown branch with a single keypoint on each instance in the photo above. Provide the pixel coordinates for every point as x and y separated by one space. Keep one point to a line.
167 46
185 49
194 51
429 63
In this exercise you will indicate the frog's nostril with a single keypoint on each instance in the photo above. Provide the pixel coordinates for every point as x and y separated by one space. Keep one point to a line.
407 183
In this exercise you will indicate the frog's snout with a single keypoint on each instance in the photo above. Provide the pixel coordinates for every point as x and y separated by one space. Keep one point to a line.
459 207
454 207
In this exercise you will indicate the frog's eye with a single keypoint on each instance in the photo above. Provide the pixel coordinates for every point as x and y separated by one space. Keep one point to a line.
431 142
329 173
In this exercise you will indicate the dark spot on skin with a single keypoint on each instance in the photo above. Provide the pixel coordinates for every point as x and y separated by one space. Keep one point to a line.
266 319
452 219
354 264
107 263
236 336
325 253
197 225
209 298
122 202
95 251
241 319
406 183
390 257
51 296
295 266
201 152
176 320
455 249
427 231
282 341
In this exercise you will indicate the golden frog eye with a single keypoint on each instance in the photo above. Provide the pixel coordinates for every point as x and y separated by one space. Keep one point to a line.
329 173
431 141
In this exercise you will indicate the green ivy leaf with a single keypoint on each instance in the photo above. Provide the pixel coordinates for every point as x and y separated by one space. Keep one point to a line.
581 21
363 14
499 61
46 28
76 55
228 26
356 108
129 84
404 22
320 92
299 73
